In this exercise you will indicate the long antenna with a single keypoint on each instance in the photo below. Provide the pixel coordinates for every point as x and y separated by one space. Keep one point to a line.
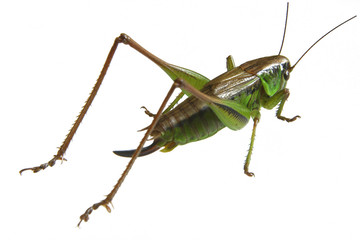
286 18
319 40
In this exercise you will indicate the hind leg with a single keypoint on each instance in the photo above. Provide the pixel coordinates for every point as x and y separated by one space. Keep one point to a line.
105 202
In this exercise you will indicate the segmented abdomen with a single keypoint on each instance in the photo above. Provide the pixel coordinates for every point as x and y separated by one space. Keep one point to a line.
192 120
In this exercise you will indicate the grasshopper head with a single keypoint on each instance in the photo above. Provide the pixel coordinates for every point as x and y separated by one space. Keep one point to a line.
273 71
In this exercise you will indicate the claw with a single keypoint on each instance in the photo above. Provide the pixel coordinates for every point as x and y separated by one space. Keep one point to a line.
293 119
107 208
85 216
44 165
150 114
289 119
250 174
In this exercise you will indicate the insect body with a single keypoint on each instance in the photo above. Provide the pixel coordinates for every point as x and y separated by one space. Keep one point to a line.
237 96
230 100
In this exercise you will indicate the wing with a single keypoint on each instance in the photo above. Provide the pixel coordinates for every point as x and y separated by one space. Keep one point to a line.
232 96
233 83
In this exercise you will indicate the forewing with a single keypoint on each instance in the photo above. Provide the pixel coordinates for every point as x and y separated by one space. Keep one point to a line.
231 84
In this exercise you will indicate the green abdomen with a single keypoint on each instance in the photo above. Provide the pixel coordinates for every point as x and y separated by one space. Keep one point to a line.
190 121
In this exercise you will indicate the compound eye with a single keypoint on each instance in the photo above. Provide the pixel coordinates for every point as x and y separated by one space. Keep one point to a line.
286 75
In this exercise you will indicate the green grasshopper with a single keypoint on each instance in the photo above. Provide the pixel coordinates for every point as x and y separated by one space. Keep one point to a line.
229 100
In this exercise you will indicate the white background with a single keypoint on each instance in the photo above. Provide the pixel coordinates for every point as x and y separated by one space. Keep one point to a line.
307 172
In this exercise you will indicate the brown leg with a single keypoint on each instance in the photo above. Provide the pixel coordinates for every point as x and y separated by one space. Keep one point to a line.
125 39
178 83
105 202
147 112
